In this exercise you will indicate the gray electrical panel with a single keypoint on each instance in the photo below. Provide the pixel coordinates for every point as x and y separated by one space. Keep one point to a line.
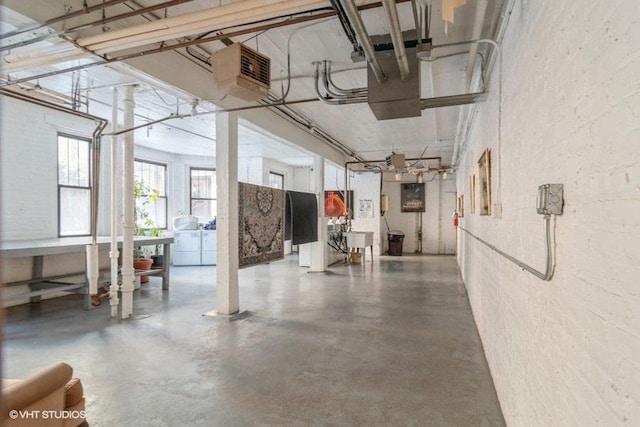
550 199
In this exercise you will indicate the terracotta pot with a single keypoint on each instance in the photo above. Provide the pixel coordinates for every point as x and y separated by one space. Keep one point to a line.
143 264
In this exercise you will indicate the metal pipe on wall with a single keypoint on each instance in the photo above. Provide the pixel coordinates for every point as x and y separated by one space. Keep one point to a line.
547 275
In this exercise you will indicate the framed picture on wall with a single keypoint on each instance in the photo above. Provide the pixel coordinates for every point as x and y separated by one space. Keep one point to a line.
412 197
334 203
472 193
484 183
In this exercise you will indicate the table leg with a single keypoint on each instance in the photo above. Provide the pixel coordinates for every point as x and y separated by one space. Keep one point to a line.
36 273
165 266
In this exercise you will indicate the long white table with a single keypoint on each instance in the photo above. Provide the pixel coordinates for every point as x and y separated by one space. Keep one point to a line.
40 285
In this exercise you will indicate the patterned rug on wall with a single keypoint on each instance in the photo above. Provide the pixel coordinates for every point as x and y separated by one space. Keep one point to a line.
261 231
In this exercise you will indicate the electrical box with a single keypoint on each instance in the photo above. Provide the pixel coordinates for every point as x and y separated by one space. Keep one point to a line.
550 199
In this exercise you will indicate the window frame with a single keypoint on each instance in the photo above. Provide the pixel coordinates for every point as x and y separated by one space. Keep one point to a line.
60 186
191 198
278 174
163 191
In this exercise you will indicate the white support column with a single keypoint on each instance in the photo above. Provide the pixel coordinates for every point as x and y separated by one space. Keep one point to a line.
319 248
227 220
114 301
128 207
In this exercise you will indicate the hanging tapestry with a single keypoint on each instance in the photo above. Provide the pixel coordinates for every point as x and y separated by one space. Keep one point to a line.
261 228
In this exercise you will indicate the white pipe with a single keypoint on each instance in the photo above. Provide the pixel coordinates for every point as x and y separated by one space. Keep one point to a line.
128 207
42 60
114 253
356 20
232 14
547 275
396 37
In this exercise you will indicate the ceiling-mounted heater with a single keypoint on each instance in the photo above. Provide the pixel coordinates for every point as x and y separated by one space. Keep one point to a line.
242 72
395 161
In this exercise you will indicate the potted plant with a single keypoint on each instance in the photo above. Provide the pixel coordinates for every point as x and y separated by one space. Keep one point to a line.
144 225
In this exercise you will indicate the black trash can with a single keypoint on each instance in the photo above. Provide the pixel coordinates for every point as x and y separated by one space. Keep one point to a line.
395 242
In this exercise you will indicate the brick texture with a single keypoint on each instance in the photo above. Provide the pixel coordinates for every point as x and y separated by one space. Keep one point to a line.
564 352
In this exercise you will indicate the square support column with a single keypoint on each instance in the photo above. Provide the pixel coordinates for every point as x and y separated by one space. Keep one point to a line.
227 294
319 248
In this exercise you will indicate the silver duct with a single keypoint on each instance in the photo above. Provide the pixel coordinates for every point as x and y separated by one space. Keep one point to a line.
396 37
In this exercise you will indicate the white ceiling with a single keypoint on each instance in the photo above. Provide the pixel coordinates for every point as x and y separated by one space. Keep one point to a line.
354 125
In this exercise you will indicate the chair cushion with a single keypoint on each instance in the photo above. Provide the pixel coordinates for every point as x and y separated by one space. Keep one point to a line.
73 392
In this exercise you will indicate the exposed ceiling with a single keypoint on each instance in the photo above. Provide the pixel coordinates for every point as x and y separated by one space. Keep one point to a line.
67 52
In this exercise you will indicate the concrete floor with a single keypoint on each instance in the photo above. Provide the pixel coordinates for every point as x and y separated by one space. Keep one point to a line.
388 343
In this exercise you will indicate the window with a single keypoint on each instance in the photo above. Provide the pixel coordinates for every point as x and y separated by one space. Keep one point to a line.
74 186
203 194
276 180
151 179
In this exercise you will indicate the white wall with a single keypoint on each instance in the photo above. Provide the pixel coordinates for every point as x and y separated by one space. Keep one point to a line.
29 168
564 352
438 234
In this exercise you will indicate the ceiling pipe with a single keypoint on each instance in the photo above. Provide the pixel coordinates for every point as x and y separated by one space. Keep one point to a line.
346 25
198 41
369 52
231 14
354 91
417 14
452 100
80 12
92 24
333 100
481 11
414 159
324 75
396 37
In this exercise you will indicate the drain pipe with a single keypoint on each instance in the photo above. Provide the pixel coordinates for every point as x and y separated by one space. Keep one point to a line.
92 261
128 207
114 254
351 10
396 37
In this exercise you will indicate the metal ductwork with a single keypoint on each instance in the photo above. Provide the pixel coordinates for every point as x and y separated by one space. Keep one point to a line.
396 98
393 93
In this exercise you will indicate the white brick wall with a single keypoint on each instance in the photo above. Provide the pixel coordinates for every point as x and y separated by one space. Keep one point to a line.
29 169
564 352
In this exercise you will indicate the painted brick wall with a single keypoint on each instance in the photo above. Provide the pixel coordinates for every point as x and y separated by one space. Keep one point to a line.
28 153
564 352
